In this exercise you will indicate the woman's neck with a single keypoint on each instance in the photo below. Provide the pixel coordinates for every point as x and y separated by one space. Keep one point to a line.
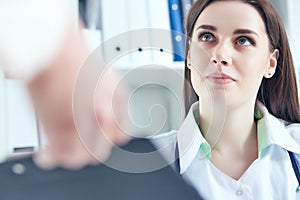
232 135
226 127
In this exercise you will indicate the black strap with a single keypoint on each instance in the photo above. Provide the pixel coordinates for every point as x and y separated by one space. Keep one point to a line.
176 163
296 168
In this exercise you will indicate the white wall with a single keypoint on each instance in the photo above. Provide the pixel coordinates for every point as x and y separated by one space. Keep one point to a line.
294 29
290 13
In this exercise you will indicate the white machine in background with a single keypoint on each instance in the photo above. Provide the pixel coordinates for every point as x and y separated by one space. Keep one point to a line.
18 123
3 135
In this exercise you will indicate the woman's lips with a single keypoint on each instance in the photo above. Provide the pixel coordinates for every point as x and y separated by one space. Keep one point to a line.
220 78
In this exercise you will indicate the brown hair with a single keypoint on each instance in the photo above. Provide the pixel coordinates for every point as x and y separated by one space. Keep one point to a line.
279 93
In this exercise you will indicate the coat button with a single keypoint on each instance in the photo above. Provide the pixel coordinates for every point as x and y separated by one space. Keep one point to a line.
239 193
18 168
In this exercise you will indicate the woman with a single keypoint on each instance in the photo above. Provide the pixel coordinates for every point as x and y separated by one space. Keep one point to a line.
234 141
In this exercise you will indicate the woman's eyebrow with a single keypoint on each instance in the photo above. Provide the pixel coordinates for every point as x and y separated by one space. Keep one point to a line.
245 31
207 27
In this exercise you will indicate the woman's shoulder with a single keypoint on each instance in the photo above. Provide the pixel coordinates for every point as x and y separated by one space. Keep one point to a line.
279 125
294 131
284 133
165 143
164 138
169 134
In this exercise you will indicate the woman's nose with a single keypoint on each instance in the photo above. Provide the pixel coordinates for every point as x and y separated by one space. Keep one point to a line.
221 61
221 55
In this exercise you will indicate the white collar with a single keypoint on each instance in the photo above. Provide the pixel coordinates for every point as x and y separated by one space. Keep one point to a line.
276 131
190 138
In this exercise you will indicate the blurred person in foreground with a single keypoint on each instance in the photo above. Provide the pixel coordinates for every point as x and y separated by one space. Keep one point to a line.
41 44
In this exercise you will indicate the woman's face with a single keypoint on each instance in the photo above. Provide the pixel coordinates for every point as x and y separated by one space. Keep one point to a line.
229 53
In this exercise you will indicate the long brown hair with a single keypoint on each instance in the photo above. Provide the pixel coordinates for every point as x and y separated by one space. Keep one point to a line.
279 93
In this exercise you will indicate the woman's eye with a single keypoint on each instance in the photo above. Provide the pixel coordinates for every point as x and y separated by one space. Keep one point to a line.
206 37
244 41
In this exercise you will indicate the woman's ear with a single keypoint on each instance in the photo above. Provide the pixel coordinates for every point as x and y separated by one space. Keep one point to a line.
188 60
272 64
